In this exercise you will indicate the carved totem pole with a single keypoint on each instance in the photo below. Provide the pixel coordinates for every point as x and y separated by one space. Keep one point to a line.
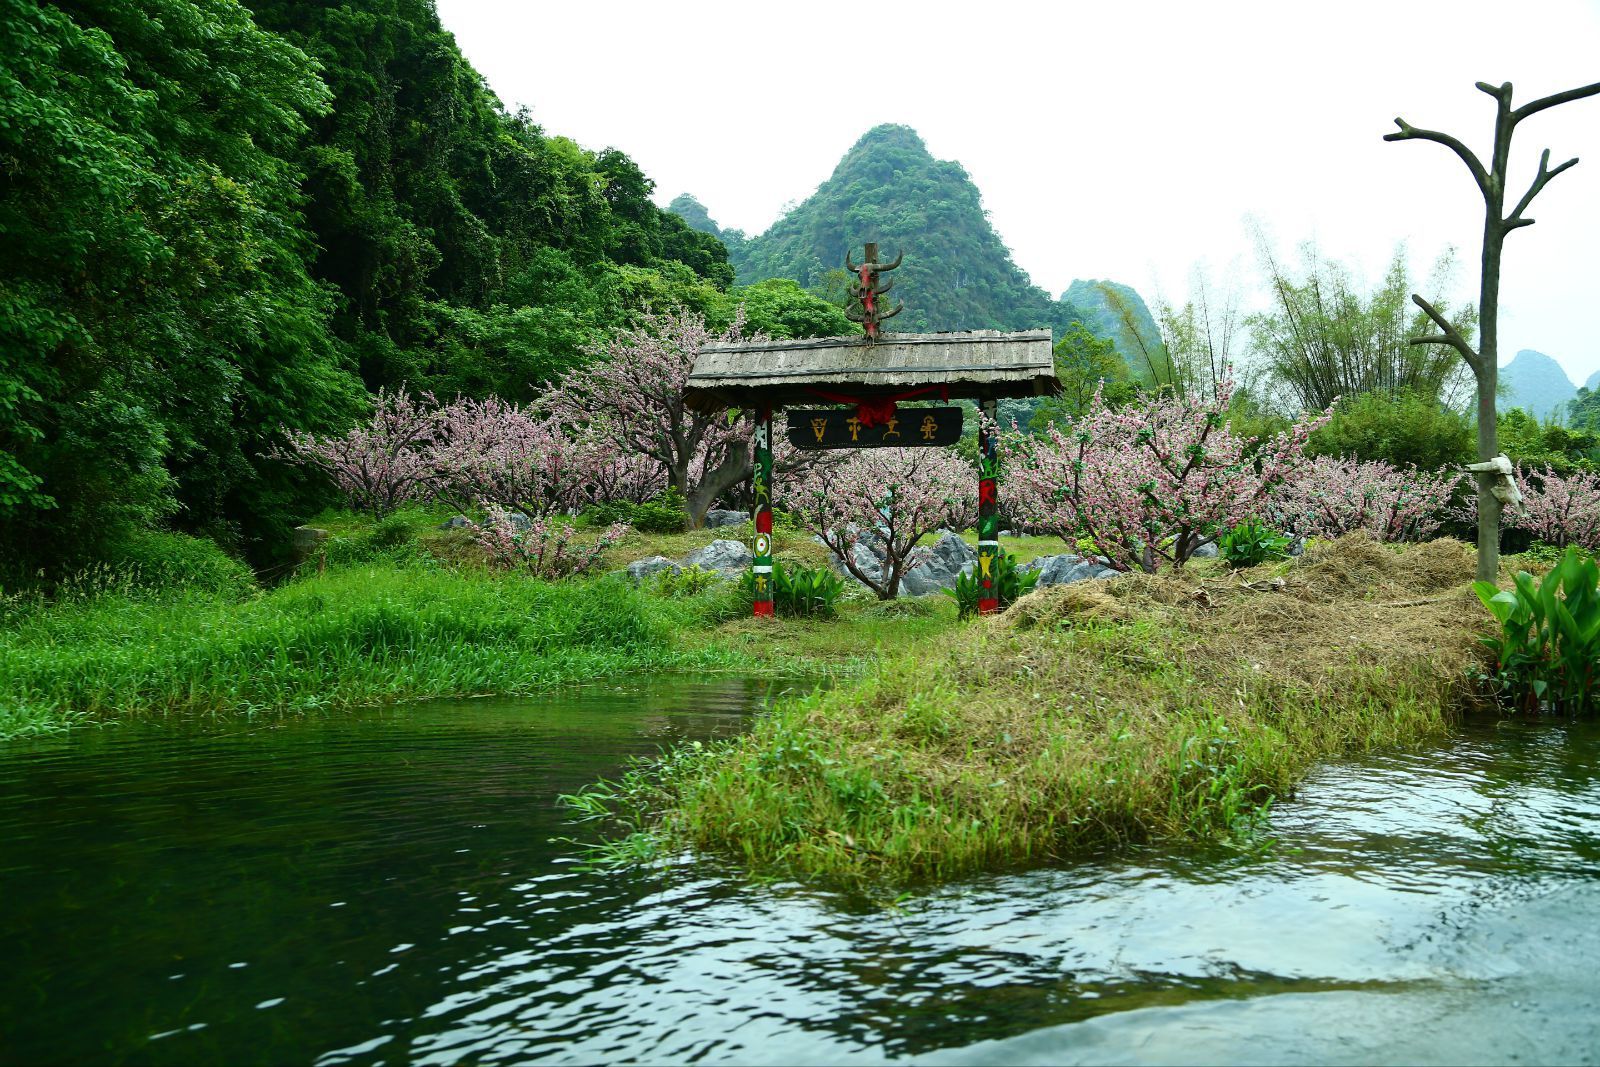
865 291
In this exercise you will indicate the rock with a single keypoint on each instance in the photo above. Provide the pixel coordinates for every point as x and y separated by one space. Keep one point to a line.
640 569
728 558
946 558
950 556
1066 569
1205 551
718 517
866 560
308 544
461 522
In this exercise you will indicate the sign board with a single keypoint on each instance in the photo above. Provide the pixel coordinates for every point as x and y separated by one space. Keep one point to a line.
816 431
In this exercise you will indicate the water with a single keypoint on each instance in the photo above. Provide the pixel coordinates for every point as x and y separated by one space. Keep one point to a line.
381 887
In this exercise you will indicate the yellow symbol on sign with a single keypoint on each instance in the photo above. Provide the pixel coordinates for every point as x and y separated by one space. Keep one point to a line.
855 427
930 426
761 583
983 564
891 431
817 427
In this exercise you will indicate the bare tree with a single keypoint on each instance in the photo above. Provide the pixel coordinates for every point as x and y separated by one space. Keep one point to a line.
1496 224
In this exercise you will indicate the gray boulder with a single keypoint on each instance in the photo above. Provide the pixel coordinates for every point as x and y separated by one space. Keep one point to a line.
461 522
640 569
718 517
728 558
1066 569
867 561
1205 551
950 556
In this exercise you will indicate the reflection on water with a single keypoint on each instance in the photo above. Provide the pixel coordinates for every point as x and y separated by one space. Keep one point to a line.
382 887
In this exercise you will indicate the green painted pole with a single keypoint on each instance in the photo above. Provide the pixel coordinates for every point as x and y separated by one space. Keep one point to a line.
761 566
988 509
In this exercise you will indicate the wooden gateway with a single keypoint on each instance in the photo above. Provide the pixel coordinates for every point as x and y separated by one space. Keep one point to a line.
864 379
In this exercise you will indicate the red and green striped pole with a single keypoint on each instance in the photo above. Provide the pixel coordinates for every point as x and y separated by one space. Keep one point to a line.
762 564
988 510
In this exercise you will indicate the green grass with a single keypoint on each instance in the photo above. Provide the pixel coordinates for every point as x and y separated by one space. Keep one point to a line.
361 634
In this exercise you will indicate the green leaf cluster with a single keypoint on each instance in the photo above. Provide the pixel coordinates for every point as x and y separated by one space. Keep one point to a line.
1252 543
1010 585
808 592
1548 649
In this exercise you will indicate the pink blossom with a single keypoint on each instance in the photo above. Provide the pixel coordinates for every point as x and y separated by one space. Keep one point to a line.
1558 509
1151 481
899 494
631 399
1330 497
383 463
544 549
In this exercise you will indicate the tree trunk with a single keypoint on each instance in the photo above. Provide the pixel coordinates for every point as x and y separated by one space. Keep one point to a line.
734 468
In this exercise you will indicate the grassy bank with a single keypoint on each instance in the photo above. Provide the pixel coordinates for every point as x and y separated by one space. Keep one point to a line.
359 634
1087 716
405 610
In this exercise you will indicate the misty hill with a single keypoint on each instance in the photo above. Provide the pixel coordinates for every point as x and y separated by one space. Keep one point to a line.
1594 381
1116 311
1537 383
957 273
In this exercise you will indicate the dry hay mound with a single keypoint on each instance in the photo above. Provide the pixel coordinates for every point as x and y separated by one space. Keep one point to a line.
1346 604
1356 566
1057 604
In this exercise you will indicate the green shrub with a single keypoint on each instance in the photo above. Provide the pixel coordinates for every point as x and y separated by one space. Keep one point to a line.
667 513
686 581
1548 650
1252 542
811 592
1404 429
1010 585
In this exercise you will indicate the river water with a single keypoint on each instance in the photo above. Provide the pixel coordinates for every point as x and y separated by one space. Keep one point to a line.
382 887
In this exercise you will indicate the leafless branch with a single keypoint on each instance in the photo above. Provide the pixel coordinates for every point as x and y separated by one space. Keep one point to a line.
1551 101
1409 132
1450 336
1539 182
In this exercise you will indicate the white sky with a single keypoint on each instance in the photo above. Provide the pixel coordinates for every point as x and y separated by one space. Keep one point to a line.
1128 141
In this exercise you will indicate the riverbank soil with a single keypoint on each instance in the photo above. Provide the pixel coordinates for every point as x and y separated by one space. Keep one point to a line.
1088 716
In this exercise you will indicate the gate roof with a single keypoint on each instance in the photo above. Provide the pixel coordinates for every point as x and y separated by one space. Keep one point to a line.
977 364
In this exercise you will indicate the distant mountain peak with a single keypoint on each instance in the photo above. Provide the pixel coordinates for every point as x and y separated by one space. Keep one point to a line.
1536 382
888 189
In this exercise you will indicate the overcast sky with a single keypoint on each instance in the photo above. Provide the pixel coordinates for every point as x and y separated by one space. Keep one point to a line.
1116 140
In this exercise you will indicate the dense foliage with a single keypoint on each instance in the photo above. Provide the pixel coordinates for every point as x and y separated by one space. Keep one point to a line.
158 323
219 223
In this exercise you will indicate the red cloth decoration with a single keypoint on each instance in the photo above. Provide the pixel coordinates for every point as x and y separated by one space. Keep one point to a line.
877 411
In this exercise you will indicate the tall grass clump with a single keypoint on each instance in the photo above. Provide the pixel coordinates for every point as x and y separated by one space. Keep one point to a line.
362 634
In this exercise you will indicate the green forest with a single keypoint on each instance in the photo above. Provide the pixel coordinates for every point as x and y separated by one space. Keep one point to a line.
222 221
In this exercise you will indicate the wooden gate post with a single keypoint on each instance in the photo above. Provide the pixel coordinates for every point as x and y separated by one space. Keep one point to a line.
762 563
988 509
